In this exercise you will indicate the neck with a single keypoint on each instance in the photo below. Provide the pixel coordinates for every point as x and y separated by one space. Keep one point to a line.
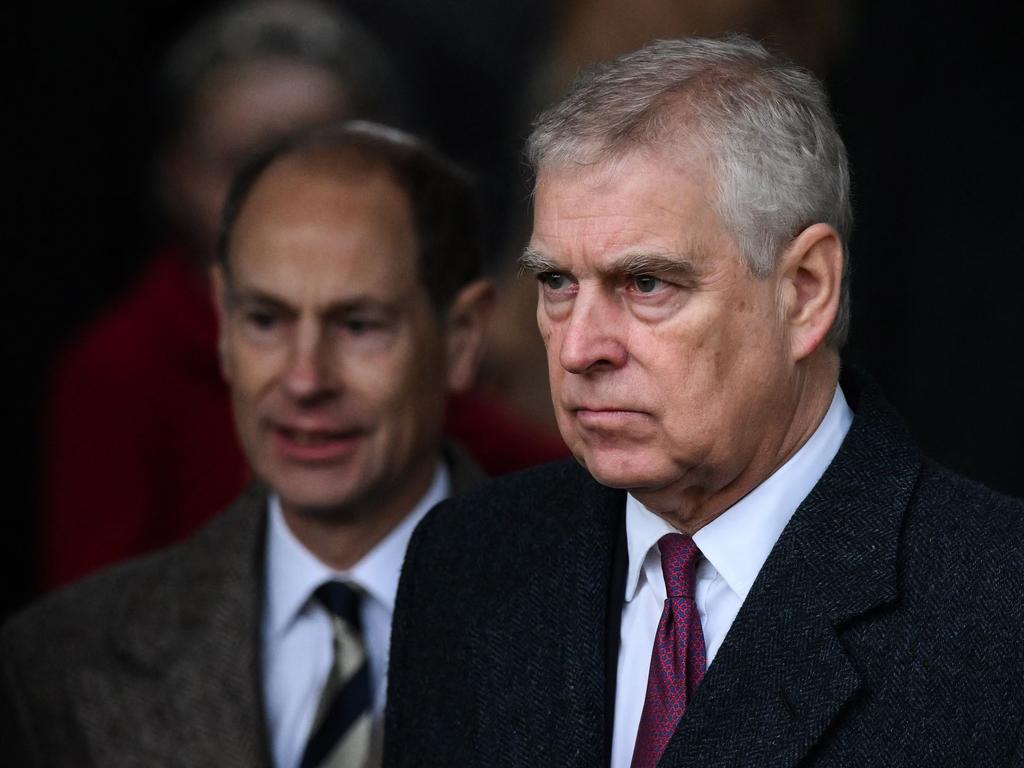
698 503
341 536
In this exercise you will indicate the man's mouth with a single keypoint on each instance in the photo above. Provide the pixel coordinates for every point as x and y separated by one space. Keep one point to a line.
312 437
315 444
607 418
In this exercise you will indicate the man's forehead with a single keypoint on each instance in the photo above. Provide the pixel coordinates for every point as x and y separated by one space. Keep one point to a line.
676 155
323 233
621 222
332 171
296 194
633 190
309 259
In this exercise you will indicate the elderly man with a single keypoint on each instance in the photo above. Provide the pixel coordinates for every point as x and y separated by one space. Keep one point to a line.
350 304
748 564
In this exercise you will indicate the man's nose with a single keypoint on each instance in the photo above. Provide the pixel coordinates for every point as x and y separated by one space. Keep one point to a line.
593 337
309 372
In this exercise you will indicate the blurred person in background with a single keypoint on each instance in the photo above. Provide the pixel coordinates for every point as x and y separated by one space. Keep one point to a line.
350 303
139 445
140 448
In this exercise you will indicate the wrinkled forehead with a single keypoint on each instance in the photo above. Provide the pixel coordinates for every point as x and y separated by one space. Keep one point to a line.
644 205
601 167
674 130
621 179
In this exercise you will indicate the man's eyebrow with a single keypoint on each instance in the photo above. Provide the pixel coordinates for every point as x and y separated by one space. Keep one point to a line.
679 265
534 262
248 295
256 296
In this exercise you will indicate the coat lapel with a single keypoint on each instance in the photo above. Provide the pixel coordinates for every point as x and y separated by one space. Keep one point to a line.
548 626
586 557
184 687
613 637
785 671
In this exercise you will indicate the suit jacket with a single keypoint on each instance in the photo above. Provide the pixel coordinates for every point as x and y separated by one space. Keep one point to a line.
152 663
886 627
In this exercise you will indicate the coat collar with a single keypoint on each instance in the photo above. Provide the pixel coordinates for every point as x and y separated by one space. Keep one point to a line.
784 671
221 569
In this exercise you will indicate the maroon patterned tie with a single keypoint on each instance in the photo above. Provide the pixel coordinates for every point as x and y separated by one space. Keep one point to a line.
679 657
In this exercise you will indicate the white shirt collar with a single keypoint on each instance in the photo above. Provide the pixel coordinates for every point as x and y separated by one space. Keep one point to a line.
737 542
293 572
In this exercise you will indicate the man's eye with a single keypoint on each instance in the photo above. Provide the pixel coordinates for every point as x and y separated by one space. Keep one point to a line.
554 281
359 325
262 320
647 283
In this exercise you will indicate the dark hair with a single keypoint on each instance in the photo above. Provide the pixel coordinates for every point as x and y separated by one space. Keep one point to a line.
441 195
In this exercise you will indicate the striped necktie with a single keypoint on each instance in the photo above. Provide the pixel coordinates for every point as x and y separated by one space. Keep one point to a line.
341 733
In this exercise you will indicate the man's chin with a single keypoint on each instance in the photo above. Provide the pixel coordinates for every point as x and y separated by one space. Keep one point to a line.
316 497
323 508
619 472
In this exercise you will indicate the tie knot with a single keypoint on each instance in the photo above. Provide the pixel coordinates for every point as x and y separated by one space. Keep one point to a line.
341 600
678 563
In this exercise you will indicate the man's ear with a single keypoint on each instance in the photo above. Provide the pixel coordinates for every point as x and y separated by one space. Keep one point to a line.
466 326
811 272
219 290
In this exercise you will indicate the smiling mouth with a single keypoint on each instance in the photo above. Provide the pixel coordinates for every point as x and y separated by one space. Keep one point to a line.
315 445
313 437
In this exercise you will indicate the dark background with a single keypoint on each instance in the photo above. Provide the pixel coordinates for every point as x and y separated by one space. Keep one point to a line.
926 102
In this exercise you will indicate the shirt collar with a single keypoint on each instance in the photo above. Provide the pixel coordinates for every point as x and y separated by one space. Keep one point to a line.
293 572
737 542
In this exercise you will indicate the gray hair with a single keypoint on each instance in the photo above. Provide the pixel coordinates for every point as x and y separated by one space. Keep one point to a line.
302 31
762 122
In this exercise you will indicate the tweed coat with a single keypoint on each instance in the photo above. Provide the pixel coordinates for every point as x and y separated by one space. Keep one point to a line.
886 627
152 663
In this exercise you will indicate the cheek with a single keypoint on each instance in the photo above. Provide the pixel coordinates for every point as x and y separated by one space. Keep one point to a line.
375 389
408 382
552 340
544 324
255 379
556 375
252 371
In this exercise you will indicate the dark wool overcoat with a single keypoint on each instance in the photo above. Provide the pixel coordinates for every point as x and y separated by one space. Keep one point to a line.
886 627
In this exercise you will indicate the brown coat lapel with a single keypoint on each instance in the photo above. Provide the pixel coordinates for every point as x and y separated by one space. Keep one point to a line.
153 663
180 683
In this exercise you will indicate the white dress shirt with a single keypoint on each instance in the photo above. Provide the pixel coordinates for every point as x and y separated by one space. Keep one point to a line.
297 633
734 547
